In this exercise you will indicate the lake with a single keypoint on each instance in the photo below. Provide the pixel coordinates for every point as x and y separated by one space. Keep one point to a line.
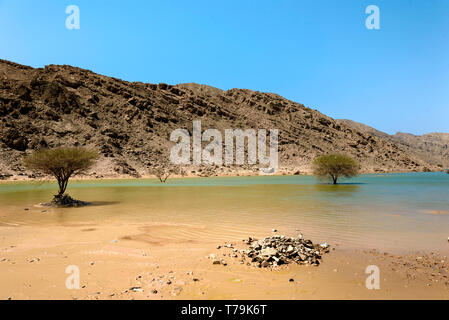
397 212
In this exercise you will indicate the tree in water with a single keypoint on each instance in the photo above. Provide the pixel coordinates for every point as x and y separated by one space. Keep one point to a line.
334 166
62 163
163 170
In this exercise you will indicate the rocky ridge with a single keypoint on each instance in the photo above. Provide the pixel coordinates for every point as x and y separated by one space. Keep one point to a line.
130 123
431 147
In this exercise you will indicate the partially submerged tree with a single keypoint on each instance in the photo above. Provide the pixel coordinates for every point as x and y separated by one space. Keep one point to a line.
162 173
166 169
334 166
62 163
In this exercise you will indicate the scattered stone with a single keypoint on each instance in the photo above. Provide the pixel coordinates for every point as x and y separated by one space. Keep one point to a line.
91 263
176 291
168 282
196 279
291 280
136 289
114 241
218 247
324 245
274 230
154 291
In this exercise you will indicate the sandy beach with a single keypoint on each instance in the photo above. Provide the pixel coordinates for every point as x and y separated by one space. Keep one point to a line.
142 262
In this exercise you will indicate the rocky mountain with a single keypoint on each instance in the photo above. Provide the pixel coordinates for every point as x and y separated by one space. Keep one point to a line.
431 148
130 123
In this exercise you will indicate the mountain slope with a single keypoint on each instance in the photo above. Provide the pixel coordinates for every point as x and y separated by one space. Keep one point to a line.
431 147
130 123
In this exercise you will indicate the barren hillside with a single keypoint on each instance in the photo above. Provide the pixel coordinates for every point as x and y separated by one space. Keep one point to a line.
130 123
432 147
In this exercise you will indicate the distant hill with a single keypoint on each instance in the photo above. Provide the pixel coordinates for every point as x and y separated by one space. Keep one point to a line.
130 123
432 147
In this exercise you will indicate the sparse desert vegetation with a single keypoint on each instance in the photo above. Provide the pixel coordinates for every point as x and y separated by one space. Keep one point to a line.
62 164
335 166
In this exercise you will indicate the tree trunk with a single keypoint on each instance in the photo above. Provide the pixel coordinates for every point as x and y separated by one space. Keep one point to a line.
335 180
62 182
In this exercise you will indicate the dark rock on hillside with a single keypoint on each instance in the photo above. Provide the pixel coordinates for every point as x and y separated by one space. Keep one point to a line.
130 122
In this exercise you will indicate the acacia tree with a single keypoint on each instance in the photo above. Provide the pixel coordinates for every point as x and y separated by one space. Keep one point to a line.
62 163
162 173
334 166
165 169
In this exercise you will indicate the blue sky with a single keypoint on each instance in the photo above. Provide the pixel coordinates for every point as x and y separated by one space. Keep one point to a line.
318 53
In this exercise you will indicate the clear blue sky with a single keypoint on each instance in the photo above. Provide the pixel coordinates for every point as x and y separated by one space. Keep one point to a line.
318 53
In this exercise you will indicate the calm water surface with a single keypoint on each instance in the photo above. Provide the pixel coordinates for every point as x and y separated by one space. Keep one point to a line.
385 211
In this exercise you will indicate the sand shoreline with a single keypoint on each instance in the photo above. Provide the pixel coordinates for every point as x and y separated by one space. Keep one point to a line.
20 178
121 262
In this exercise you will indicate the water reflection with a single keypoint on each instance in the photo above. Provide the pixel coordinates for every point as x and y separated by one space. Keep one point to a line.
347 189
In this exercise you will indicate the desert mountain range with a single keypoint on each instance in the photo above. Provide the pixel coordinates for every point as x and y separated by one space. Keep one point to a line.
129 123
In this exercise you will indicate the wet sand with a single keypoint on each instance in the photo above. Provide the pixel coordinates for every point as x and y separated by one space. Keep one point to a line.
141 261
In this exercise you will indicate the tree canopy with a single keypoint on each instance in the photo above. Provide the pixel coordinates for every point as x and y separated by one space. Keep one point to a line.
62 163
334 166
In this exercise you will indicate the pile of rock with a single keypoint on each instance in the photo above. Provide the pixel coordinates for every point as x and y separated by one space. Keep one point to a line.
66 201
278 249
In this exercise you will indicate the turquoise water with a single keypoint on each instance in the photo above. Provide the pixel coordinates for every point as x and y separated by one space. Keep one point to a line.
384 211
